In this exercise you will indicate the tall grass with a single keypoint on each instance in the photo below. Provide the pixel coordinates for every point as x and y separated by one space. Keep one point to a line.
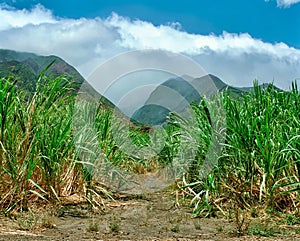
260 159
37 158
259 163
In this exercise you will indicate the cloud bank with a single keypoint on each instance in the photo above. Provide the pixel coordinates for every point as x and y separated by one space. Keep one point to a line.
11 18
85 43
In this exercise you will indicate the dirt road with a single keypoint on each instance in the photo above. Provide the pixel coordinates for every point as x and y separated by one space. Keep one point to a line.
150 217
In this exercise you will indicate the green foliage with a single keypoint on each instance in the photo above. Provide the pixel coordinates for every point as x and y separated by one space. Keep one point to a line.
292 219
259 165
263 230
26 68
260 160
36 141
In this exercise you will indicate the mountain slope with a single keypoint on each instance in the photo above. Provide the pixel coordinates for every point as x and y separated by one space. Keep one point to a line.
177 94
174 94
26 67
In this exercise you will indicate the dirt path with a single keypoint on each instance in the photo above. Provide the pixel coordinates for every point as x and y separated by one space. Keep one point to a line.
150 217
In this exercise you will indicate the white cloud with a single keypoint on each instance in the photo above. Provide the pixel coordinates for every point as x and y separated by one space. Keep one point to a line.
12 18
140 35
285 3
85 43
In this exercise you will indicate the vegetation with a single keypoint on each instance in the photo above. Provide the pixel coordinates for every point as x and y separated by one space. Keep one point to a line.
261 155
26 67
258 170
37 152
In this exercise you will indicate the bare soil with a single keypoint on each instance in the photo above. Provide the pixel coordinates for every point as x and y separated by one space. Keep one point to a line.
148 217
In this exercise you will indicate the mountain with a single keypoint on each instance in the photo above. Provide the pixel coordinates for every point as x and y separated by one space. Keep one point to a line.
176 94
26 67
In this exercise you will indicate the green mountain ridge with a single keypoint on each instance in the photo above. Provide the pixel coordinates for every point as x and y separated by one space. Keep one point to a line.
26 67
164 99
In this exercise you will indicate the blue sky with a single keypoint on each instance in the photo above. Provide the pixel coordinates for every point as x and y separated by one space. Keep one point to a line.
237 40
261 19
